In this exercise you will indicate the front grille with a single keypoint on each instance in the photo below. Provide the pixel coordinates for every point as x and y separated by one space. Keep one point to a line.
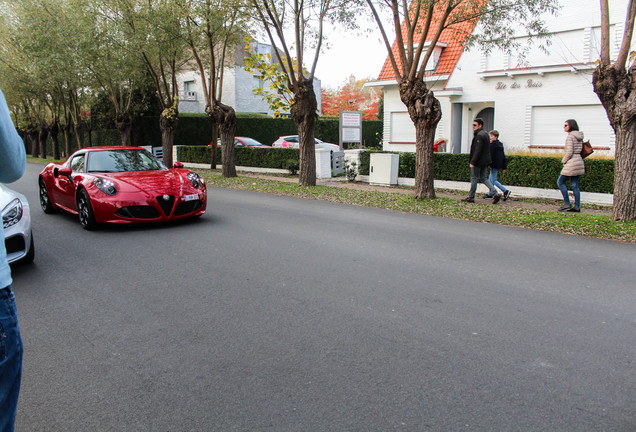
187 207
166 205
138 212
15 244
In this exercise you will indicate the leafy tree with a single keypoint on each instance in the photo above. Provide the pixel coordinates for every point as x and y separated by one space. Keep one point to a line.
213 33
112 64
615 84
40 49
418 26
297 26
276 93
155 31
352 96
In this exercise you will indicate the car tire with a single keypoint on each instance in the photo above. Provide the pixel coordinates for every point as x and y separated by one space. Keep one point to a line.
85 211
45 199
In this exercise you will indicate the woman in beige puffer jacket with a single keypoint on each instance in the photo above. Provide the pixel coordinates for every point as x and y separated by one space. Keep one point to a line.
573 166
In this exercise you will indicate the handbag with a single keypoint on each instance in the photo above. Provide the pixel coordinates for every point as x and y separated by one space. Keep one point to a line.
586 150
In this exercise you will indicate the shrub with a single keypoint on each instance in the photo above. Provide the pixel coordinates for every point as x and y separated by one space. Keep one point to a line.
292 166
253 157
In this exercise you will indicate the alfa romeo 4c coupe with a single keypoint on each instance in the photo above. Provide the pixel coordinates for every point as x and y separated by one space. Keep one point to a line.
121 185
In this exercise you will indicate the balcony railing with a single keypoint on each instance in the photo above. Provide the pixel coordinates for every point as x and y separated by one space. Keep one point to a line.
189 96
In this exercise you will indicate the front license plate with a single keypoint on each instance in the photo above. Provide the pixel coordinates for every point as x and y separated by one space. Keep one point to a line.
191 197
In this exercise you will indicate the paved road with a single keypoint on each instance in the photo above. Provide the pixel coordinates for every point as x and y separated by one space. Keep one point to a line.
279 314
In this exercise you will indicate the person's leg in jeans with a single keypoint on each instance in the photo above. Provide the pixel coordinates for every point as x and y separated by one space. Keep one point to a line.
494 172
10 359
574 184
474 178
484 180
564 190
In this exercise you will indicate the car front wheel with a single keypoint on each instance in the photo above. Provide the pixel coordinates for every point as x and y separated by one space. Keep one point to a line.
85 211
45 201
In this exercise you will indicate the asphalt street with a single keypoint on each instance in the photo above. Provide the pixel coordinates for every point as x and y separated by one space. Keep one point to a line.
274 313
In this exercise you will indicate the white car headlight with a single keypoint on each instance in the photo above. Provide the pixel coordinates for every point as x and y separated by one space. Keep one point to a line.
12 213
105 185
195 179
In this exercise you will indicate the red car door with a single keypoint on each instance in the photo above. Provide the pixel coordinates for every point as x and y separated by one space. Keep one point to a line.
65 187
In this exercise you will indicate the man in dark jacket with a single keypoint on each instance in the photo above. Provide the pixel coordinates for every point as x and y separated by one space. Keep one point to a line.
479 162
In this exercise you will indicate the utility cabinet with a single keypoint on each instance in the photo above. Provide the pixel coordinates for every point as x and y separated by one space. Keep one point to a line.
384 168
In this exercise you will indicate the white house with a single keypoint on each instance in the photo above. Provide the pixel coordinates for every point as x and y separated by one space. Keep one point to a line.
526 102
238 85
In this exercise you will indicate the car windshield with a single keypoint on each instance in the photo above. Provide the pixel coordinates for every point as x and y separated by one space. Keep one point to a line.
123 161
250 142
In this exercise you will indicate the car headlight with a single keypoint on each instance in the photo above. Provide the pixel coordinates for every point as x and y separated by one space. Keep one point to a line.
105 185
195 179
12 213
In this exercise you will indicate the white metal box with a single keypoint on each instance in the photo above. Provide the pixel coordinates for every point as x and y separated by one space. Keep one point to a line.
384 168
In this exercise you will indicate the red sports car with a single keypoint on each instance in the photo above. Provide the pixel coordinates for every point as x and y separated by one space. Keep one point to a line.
121 185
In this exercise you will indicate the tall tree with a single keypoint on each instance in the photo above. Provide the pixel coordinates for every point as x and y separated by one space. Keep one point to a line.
111 61
615 84
155 31
295 30
418 26
213 34
41 45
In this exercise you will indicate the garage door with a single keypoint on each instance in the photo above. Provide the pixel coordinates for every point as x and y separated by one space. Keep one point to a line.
547 124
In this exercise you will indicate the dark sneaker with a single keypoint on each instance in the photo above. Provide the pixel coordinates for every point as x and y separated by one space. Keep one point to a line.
565 208
496 198
575 210
468 199
506 195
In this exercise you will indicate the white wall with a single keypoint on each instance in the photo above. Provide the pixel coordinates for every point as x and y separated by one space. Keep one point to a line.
533 97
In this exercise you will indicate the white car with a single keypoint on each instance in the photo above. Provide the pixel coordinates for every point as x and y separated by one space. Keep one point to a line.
291 141
16 221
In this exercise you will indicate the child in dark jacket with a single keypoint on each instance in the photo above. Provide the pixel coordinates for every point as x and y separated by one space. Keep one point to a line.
498 163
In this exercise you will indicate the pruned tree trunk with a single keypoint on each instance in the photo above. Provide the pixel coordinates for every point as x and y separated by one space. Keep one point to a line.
42 136
67 141
77 128
54 131
215 136
303 113
123 122
167 126
425 112
35 144
616 88
224 117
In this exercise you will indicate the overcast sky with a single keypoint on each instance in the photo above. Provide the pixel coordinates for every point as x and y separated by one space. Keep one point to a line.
361 55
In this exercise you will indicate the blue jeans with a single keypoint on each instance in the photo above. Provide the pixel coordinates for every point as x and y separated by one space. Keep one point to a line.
493 179
478 174
10 359
574 184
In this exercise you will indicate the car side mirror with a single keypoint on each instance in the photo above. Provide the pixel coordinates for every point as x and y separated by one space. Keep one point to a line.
65 171
178 165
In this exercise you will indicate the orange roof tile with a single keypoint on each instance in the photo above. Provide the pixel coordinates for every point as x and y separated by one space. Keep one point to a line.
452 36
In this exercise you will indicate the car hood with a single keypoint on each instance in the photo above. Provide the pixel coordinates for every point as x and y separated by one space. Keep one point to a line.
158 180
7 195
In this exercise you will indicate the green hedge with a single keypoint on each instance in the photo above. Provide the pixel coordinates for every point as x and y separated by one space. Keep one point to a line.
252 157
196 129
528 171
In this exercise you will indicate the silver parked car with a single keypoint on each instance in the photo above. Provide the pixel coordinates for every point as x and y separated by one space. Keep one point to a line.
16 221
291 141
